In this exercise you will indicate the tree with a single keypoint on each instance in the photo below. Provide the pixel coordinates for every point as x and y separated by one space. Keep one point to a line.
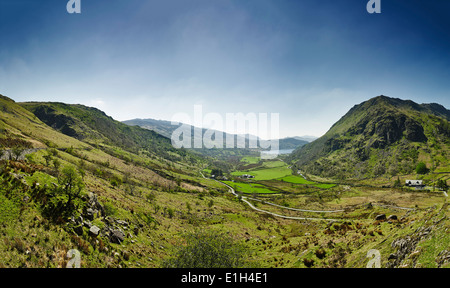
64 199
208 249
71 184
397 183
442 184
217 172
421 168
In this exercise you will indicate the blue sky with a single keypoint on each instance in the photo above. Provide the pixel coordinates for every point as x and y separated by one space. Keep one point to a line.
308 60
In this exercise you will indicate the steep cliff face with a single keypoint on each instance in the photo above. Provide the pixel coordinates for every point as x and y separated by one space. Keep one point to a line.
381 132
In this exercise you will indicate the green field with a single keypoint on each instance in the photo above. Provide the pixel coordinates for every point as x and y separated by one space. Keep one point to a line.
206 170
266 174
249 188
301 180
297 180
250 160
277 170
274 164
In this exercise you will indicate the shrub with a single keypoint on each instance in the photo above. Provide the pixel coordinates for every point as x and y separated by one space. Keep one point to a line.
421 168
320 253
208 249
442 184
170 212
115 181
63 200
110 210
308 262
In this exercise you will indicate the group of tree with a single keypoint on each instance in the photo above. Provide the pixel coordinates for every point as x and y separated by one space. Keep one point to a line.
217 172
442 184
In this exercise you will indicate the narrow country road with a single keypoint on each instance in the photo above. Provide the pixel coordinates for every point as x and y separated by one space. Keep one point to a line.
244 199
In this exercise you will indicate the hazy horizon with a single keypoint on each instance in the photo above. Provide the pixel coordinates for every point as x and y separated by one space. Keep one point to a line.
310 61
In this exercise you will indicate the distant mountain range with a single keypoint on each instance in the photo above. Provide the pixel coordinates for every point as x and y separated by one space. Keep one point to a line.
380 136
166 129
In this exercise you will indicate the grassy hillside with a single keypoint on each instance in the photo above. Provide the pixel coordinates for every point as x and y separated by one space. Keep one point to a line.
20 125
93 126
121 203
382 136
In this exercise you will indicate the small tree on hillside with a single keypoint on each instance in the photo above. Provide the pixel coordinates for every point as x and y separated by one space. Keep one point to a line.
421 168
64 199
397 183
442 184
71 186
208 249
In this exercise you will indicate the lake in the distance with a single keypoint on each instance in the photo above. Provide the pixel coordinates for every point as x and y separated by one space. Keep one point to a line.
275 153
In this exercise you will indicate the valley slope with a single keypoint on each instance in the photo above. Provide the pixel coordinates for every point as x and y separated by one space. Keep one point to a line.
382 136
74 178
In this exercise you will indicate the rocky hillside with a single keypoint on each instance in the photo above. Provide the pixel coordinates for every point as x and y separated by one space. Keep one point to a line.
94 127
380 136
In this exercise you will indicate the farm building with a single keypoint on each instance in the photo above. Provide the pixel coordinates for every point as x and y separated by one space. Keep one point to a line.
414 183
247 176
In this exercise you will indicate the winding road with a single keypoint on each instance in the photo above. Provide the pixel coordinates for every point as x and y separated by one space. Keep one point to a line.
244 199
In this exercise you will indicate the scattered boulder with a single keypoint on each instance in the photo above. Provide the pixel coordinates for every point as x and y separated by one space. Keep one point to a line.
116 236
93 207
90 213
94 231
122 222
392 217
381 217
406 247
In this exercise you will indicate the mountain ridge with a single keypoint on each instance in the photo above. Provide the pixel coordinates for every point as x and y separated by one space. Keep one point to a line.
166 128
379 124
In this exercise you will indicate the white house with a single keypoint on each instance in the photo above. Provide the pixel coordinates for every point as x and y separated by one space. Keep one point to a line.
414 183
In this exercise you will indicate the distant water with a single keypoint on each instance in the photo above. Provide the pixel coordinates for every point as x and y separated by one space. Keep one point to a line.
277 152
